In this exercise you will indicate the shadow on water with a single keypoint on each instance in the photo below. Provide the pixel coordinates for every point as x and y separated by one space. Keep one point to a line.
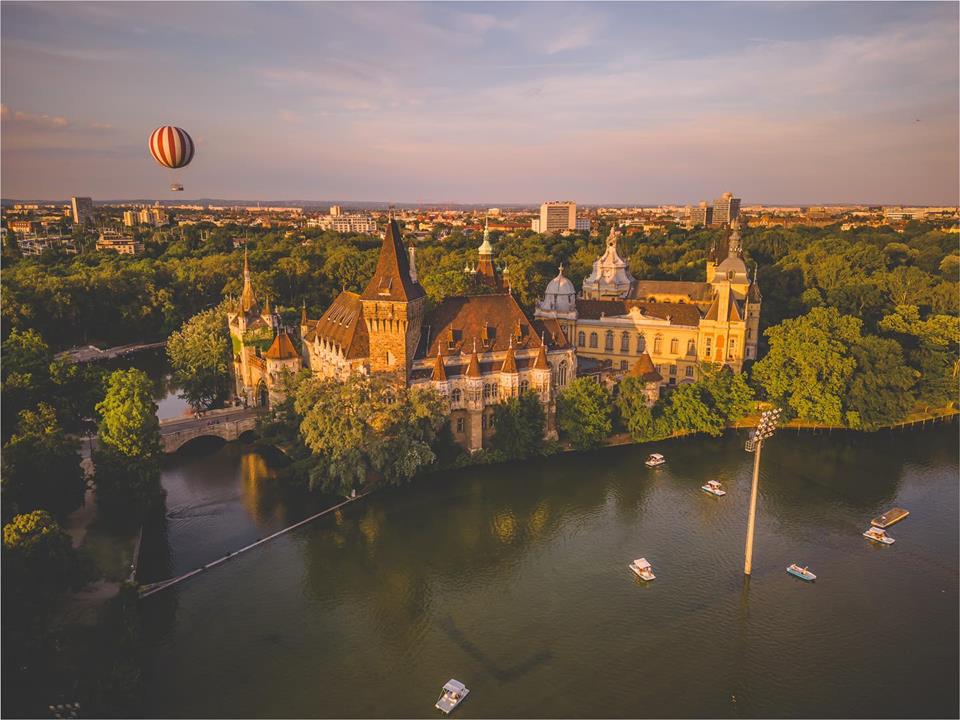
503 674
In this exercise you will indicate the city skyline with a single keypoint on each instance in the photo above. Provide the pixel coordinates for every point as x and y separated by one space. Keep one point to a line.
486 103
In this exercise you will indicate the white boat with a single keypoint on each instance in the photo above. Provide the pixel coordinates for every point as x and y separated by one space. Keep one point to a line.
801 572
714 488
655 459
642 569
453 694
878 535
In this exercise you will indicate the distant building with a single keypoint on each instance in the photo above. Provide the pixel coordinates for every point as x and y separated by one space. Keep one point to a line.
702 214
558 216
36 244
583 224
725 209
120 244
345 223
336 211
20 226
494 212
899 213
82 208
129 218
535 224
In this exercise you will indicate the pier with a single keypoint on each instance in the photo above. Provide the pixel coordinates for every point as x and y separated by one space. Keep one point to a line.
91 353
154 588
890 517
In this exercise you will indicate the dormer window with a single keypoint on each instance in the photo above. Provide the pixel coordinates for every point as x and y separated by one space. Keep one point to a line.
384 286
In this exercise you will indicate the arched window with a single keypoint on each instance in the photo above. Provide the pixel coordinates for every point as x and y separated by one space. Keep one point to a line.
524 386
608 341
593 340
486 390
641 343
674 346
625 342
562 373
455 395
657 344
581 338
460 425
691 347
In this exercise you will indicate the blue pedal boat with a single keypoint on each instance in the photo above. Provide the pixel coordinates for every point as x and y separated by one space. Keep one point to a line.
801 572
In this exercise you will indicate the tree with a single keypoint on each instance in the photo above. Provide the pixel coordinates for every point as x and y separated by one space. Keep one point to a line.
632 403
200 355
367 429
583 413
129 424
809 364
880 389
688 408
128 461
728 392
24 374
932 346
39 564
41 467
519 424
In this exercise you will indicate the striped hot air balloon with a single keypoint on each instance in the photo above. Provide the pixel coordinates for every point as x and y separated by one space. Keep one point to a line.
171 146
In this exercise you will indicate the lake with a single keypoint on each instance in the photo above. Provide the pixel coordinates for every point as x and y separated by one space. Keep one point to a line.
514 580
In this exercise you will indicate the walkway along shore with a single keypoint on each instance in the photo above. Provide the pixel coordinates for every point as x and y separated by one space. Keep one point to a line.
152 588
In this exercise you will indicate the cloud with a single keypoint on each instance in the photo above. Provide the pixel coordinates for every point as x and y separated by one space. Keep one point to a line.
289 116
32 120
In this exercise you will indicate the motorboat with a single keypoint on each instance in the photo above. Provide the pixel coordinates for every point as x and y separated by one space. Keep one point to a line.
714 488
878 535
642 569
453 694
801 572
655 459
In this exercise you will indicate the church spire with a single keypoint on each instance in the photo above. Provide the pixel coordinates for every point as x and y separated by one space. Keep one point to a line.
248 302
392 279
439 371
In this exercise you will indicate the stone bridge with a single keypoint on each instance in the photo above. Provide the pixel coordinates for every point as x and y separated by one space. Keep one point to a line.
228 424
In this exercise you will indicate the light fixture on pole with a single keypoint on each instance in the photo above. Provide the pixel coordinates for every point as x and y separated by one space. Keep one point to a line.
765 429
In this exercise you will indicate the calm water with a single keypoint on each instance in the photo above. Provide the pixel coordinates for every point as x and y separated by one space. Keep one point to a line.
514 580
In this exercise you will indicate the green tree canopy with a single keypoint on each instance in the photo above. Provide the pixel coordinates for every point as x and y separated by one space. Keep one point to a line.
367 428
880 389
584 413
810 363
39 564
41 467
128 415
689 407
200 355
729 394
519 425
632 404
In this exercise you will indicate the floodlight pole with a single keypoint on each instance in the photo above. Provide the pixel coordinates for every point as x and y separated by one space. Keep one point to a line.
752 517
765 429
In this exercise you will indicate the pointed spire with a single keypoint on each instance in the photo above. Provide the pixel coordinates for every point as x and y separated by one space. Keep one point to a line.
248 302
510 361
439 372
485 247
303 314
645 369
541 362
473 368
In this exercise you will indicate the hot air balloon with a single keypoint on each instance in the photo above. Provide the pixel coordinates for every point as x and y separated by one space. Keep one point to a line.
173 148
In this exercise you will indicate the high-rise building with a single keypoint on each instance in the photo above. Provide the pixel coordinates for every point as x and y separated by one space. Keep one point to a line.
129 218
725 209
583 224
82 210
558 216
336 211
144 216
702 214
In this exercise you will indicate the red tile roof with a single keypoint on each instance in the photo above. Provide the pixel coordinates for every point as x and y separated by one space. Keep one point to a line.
645 369
343 325
282 348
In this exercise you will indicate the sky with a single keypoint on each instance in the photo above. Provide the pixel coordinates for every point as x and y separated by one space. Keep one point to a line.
632 103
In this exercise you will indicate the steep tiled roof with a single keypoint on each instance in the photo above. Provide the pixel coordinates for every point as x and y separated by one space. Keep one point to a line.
733 309
282 348
473 369
677 313
248 303
645 369
492 320
696 291
753 294
510 362
439 372
343 325
391 280
541 362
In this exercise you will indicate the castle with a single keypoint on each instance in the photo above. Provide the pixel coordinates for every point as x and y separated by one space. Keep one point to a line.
473 349
478 349
672 326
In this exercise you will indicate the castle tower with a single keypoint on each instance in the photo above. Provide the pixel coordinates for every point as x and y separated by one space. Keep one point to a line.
486 272
393 306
